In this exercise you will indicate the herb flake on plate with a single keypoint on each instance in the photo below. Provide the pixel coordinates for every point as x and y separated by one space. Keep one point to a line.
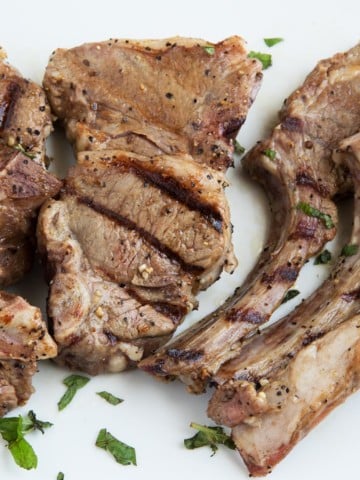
74 383
270 42
290 294
314 212
268 152
238 148
210 437
349 250
209 49
122 453
323 258
110 398
264 58
13 431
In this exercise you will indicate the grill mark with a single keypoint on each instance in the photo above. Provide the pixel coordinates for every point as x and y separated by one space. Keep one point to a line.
185 355
7 105
292 124
248 315
311 338
125 222
281 274
175 312
303 178
305 229
232 127
351 296
178 192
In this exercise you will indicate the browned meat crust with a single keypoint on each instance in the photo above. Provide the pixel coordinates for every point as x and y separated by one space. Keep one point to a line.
302 175
154 96
143 214
23 340
293 373
25 123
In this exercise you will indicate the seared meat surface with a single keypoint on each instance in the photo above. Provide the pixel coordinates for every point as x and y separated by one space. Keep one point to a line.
143 213
25 123
155 96
23 340
289 376
300 180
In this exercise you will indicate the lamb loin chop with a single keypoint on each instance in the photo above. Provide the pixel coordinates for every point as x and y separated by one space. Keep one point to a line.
25 122
295 166
296 371
142 223
23 340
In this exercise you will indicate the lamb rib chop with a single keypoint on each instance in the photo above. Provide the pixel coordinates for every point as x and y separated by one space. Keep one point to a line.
142 223
23 340
296 371
25 123
295 166
25 184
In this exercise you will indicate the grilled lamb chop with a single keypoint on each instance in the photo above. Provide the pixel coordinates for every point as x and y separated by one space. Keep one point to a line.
23 341
288 377
301 180
25 123
142 223
155 97
321 376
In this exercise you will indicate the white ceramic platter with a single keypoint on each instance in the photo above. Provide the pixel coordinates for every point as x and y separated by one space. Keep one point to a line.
155 417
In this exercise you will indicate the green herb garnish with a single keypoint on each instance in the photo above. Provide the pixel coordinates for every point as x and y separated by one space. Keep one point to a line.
74 383
314 212
349 250
270 42
239 149
13 431
265 58
110 398
209 49
290 294
21 149
122 453
323 258
208 436
60 476
269 153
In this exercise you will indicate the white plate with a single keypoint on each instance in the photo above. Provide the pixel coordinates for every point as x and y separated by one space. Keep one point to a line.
155 417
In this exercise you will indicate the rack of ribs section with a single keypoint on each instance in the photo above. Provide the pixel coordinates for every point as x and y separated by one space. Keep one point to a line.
291 375
296 168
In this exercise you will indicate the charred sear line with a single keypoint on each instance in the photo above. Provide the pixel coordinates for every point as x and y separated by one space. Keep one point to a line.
304 179
305 229
125 222
281 274
311 338
186 355
175 312
248 315
178 192
351 296
231 128
292 124
8 103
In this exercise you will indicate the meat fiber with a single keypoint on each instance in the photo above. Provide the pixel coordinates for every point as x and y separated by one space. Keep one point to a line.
25 184
295 166
142 223
23 341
